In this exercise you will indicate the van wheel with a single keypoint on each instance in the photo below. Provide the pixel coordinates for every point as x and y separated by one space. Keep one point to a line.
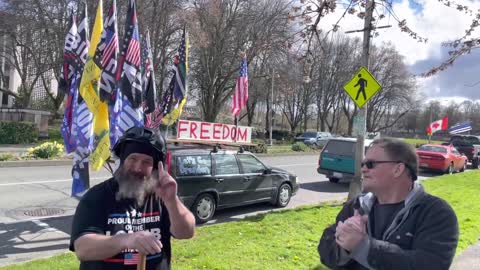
333 180
284 195
204 208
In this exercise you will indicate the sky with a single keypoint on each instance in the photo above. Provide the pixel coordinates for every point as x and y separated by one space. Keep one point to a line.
429 19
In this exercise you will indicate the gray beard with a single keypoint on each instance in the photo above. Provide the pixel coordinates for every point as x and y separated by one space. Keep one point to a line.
130 186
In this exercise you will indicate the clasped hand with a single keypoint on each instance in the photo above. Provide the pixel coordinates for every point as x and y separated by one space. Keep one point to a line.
349 233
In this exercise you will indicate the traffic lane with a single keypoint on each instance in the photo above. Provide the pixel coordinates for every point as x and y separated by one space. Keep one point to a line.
314 189
43 174
26 189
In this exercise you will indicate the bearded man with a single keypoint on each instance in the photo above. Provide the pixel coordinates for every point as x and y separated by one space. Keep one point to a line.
135 212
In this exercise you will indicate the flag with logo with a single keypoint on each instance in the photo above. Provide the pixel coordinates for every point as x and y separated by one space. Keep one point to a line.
176 95
65 85
89 89
441 124
129 73
123 116
240 94
107 53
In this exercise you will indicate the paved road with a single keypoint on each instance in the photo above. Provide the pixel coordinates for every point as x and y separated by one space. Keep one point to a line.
24 191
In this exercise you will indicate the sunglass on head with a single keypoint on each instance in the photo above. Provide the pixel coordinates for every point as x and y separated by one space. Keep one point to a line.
372 163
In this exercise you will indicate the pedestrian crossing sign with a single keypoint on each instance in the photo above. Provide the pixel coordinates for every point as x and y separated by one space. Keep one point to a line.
362 87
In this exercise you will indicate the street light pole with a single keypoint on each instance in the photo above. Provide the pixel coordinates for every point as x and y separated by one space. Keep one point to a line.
271 108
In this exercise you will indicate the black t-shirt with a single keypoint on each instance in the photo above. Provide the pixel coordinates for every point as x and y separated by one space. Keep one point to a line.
383 215
99 212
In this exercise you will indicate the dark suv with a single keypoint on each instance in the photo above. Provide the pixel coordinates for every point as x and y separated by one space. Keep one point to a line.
210 179
469 145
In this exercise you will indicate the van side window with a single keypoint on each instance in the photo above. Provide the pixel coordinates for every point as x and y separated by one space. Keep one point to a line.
194 165
340 148
250 164
226 164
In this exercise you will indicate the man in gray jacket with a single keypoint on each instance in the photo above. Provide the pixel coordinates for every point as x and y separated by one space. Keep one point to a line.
395 224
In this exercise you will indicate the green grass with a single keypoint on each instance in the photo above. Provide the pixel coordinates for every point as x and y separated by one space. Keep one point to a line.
288 149
288 239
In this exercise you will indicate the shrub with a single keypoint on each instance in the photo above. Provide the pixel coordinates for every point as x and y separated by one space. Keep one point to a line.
7 156
46 150
17 132
259 148
299 146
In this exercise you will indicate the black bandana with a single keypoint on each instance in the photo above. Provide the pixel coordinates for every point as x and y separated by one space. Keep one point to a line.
140 148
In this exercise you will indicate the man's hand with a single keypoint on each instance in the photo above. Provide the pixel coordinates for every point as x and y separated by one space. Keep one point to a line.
166 188
143 241
351 232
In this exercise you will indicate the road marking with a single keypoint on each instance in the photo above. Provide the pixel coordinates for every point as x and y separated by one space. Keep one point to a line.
45 226
46 182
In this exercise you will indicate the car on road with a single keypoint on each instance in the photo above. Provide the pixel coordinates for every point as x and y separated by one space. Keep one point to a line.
443 158
315 139
210 178
337 159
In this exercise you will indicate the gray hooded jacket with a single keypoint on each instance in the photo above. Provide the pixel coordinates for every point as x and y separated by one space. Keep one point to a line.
422 235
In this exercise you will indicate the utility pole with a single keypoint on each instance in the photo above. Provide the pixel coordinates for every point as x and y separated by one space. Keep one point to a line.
356 184
271 108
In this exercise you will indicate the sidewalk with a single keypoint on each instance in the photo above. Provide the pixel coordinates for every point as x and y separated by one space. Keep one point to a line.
469 259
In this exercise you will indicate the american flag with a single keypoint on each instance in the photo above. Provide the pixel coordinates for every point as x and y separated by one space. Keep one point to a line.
240 95
129 73
130 259
108 50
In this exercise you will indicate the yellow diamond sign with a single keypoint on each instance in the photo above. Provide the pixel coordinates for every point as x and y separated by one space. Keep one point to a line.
362 87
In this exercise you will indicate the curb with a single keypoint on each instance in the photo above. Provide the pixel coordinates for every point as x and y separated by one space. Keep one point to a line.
35 163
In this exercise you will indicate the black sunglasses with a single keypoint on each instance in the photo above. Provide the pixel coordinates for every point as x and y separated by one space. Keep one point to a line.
372 163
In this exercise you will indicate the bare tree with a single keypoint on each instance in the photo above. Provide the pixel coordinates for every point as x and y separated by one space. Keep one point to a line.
396 98
222 30
35 31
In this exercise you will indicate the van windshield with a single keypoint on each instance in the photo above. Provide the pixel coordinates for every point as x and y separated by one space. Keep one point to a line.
343 148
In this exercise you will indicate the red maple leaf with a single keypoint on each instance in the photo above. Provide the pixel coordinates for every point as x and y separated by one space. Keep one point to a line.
435 125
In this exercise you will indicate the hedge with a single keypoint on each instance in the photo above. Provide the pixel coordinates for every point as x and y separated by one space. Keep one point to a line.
18 132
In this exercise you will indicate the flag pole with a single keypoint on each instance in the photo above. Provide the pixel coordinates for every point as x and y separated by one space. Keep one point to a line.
235 121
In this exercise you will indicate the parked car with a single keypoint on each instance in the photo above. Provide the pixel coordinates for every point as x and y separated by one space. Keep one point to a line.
210 179
315 139
337 159
443 158
469 145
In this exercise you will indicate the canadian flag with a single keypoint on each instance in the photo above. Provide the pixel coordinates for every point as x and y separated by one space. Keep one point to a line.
441 124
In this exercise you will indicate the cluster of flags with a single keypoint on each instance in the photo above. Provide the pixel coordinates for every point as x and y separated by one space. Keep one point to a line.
442 124
110 87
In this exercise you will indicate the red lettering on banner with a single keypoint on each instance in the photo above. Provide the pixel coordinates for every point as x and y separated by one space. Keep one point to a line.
216 130
225 134
204 130
180 128
242 136
193 129
234 134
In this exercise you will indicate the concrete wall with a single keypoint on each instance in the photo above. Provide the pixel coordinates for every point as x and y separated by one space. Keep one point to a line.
40 118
